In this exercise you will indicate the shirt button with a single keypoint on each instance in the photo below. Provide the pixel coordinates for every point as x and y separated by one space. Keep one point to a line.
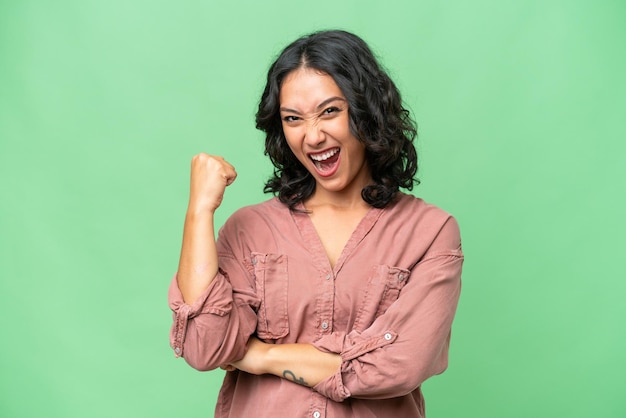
400 276
328 276
177 350
388 337
325 325
316 414
254 261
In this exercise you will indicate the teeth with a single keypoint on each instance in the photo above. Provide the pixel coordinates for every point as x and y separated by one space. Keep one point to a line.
326 155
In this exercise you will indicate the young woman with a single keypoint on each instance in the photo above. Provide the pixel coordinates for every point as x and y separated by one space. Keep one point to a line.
336 297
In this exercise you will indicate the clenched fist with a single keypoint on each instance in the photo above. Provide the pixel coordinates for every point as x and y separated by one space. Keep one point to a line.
210 175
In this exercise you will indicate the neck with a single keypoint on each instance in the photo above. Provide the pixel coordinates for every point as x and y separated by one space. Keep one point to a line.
339 200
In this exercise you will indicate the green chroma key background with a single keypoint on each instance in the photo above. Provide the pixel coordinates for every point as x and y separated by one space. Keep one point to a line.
520 107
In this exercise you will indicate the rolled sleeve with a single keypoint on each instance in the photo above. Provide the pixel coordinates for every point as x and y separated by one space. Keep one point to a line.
351 347
215 328
216 300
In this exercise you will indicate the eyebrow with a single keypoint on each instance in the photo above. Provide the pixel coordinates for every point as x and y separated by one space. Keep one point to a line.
319 106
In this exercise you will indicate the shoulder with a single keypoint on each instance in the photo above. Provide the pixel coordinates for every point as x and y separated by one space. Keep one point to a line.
415 209
269 208
257 219
419 218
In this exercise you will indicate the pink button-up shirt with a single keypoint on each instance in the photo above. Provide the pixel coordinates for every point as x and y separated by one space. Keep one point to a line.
386 307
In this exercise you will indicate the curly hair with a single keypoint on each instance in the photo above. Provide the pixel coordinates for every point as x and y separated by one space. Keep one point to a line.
377 117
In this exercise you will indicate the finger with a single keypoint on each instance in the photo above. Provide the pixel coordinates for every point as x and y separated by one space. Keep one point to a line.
230 177
228 172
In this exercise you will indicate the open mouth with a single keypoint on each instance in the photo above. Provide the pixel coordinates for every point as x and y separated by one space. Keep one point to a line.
326 162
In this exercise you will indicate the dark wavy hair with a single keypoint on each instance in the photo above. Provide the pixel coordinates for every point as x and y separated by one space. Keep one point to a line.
377 117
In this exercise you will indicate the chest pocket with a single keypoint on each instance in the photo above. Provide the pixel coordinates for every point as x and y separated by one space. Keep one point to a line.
383 288
271 279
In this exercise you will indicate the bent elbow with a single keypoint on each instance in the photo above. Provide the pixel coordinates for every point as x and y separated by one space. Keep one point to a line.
414 376
200 364
409 376
209 355
211 358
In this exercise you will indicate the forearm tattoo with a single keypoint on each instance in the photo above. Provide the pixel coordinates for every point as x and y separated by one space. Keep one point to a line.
289 375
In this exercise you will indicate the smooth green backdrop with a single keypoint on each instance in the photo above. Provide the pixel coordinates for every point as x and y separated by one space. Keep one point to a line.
521 111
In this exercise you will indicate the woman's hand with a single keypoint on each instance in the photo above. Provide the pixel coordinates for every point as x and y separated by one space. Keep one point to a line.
210 175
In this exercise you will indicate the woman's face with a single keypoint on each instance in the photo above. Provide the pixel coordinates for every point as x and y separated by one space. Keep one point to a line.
315 122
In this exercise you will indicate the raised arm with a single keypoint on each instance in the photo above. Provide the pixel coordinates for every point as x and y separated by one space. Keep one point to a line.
210 175
213 319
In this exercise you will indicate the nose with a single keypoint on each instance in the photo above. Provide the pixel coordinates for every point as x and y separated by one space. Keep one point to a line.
314 135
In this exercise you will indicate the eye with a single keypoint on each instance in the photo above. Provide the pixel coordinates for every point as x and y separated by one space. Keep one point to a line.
331 110
290 118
